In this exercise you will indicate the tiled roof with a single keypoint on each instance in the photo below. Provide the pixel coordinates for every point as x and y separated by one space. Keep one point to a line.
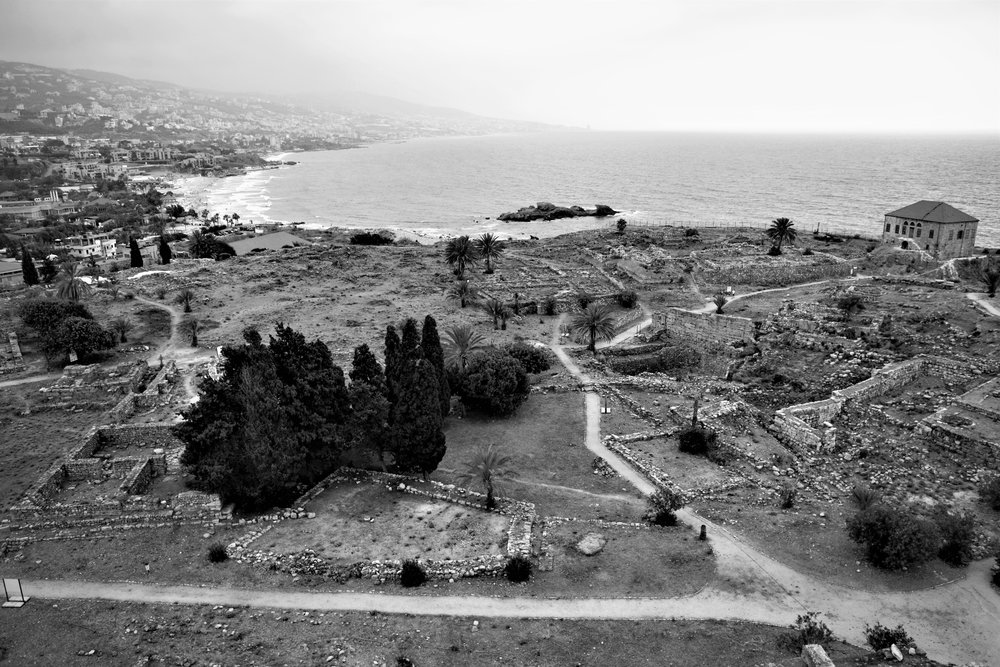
932 211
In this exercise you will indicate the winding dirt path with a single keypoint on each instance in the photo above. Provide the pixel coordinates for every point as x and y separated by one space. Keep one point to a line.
177 347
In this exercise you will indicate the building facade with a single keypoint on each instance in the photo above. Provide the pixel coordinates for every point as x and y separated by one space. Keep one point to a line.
100 246
933 226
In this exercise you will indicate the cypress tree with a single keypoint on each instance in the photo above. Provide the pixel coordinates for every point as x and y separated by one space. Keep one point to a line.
410 344
369 420
418 434
393 363
365 367
136 256
430 343
166 254
28 270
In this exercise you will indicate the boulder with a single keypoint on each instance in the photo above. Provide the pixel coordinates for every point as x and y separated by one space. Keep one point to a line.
813 655
592 543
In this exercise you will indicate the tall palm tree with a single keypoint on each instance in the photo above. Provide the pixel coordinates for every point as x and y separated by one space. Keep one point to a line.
495 308
595 322
70 284
460 341
464 293
486 469
781 230
460 253
489 248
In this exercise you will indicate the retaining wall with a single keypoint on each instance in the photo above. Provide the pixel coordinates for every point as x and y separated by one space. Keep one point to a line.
10 355
696 327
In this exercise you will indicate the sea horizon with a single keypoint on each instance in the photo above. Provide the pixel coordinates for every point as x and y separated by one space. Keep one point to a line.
434 188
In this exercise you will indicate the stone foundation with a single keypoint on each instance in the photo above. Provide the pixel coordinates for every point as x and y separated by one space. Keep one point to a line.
10 355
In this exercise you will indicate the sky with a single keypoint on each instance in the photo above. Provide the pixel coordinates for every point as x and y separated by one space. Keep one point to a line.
698 65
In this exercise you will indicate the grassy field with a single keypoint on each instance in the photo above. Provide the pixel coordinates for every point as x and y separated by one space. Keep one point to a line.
86 633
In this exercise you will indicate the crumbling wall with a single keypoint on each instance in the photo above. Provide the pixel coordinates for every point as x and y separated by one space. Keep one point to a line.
10 355
694 327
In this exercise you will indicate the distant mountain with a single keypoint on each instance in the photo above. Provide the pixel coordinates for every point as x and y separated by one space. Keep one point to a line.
50 100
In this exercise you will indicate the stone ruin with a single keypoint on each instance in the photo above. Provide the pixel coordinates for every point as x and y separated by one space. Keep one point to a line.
118 476
92 387
10 355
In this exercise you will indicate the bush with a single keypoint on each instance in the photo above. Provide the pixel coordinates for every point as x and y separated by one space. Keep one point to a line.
517 569
996 572
370 238
690 232
584 299
662 507
494 382
533 359
880 637
957 534
412 575
787 496
807 251
550 306
403 661
217 553
627 298
696 440
773 251
809 630
989 491
893 538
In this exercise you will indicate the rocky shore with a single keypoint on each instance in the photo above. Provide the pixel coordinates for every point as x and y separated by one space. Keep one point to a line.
547 211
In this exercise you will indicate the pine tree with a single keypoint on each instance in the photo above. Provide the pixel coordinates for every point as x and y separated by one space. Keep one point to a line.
365 367
430 343
28 270
410 344
418 436
166 254
393 364
136 256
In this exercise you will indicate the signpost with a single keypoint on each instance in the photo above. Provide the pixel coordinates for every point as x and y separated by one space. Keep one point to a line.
15 596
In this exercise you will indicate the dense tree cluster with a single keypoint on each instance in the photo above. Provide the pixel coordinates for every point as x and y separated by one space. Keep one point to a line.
64 326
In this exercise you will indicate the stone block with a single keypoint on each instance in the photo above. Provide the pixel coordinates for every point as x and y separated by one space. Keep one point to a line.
813 655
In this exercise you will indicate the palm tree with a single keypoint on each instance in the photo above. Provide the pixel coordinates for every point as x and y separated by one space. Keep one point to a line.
990 275
463 292
460 341
202 245
495 308
489 248
486 469
781 230
192 327
595 322
185 298
70 285
460 253
121 326
720 301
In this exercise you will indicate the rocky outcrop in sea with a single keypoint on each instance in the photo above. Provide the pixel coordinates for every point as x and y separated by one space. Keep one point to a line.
546 211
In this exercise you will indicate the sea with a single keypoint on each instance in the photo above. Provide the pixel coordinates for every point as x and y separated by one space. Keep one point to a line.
435 188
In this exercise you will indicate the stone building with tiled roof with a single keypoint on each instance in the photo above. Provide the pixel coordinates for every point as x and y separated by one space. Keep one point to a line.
933 226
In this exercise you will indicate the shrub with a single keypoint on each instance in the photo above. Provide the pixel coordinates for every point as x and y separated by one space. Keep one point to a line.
690 232
217 553
161 292
996 572
957 534
403 661
533 359
550 306
865 496
370 238
989 491
773 251
627 298
412 575
517 569
880 637
809 630
662 507
494 382
584 299
696 440
787 496
893 538
807 251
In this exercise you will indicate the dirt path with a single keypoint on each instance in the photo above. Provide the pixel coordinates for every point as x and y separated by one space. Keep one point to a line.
177 347
30 379
710 307
981 300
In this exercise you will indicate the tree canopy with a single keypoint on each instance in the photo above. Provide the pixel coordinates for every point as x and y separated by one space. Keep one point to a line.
494 382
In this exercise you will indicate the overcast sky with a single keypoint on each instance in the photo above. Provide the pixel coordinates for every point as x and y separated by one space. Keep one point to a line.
779 65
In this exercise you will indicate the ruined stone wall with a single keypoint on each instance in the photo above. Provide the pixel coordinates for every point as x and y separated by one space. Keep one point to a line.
140 435
695 327
10 355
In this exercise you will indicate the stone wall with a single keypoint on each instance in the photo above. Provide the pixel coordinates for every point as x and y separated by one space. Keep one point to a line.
10 355
695 327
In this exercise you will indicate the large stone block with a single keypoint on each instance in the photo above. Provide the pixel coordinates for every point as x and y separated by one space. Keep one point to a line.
813 655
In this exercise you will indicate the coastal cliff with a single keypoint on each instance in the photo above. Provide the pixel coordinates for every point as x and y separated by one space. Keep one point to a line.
547 211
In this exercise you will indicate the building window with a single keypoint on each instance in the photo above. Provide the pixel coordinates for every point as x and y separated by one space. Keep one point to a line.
961 233
951 234
918 232
888 227
897 229
930 233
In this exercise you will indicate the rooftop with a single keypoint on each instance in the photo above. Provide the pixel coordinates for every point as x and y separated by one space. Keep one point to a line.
932 211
